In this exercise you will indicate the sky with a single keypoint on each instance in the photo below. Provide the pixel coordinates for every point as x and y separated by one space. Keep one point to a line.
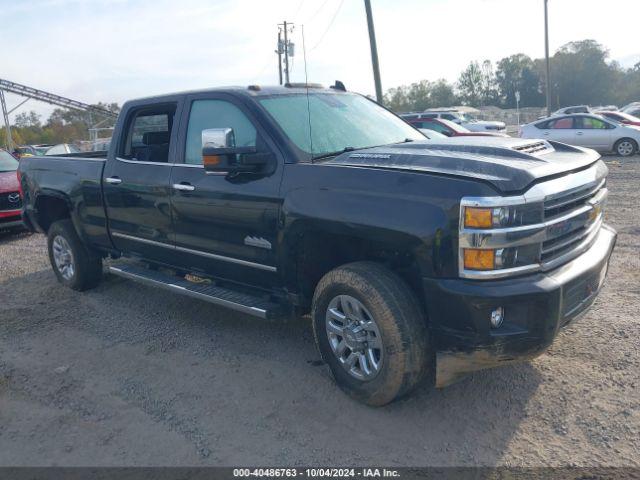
114 50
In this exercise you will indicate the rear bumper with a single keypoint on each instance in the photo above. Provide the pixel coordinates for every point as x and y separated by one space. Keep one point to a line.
536 307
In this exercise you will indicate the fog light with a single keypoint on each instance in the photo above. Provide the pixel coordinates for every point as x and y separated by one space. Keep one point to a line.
497 316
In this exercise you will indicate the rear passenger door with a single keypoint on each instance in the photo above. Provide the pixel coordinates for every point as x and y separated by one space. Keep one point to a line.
136 183
560 130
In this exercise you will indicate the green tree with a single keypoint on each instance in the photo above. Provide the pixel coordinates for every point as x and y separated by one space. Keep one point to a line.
442 94
470 84
518 73
580 74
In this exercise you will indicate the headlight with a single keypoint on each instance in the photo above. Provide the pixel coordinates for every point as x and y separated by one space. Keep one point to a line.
475 217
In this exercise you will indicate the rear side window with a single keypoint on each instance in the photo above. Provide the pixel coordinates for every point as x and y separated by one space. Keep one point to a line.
562 124
556 123
149 134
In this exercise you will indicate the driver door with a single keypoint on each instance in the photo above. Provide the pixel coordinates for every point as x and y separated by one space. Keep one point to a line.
225 224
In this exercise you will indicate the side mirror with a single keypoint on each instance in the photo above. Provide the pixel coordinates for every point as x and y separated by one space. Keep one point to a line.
220 154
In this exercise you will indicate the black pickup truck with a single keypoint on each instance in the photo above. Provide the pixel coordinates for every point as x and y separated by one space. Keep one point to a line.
419 260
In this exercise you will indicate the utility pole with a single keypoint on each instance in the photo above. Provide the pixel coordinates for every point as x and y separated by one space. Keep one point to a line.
279 52
286 53
5 115
374 51
287 48
546 55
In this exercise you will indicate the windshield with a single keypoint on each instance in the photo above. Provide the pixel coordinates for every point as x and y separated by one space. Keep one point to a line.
326 123
7 162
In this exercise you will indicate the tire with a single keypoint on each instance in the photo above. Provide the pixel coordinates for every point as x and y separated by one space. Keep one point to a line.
625 147
405 357
86 266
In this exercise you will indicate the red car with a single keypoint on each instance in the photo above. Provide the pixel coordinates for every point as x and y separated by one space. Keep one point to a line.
10 192
621 117
448 128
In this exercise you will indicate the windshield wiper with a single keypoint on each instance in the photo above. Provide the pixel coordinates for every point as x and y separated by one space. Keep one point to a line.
333 154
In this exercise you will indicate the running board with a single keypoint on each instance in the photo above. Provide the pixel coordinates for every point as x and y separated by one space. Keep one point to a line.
239 301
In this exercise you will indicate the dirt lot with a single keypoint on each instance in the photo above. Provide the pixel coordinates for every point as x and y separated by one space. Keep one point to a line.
129 375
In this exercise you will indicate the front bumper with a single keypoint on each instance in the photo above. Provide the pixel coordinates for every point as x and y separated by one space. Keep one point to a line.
10 219
536 307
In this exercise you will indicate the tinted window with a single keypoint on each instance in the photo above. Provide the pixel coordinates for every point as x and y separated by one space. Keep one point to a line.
7 162
449 116
561 123
429 115
206 114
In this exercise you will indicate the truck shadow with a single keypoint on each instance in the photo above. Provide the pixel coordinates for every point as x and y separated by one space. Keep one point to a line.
245 378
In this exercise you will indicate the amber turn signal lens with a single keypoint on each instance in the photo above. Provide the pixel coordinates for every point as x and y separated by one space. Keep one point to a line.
477 217
476 259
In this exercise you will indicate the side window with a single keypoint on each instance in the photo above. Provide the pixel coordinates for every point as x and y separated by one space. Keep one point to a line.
590 123
148 135
437 127
207 114
448 116
561 124
429 115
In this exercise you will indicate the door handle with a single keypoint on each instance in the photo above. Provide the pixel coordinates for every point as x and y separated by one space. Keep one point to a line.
184 187
113 180
579 133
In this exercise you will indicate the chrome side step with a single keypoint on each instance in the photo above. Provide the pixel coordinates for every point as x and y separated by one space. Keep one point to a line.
239 301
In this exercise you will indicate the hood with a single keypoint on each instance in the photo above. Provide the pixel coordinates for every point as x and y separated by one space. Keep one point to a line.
509 164
9 182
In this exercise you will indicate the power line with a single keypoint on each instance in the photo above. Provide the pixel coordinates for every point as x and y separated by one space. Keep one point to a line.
317 12
328 26
295 15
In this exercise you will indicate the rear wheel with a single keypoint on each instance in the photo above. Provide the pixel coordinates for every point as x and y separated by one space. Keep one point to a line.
625 147
371 332
73 263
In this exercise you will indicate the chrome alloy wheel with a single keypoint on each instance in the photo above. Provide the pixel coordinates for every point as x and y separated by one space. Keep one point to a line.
625 148
63 257
354 337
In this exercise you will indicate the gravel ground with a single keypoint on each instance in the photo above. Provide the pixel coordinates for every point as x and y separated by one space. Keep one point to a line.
129 375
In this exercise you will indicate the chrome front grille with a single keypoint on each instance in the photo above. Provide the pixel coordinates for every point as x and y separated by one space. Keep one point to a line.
585 206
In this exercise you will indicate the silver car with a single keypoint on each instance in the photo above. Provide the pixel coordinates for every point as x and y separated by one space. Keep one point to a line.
586 130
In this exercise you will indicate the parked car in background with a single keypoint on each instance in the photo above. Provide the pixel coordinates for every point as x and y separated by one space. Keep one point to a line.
460 118
41 149
432 134
621 117
586 130
629 105
62 149
633 110
447 127
572 109
24 150
10 194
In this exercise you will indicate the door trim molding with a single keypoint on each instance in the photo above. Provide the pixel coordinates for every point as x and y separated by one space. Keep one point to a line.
213 256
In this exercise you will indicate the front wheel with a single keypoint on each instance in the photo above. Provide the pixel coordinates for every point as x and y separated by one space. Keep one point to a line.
371 331
626 147
72 262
